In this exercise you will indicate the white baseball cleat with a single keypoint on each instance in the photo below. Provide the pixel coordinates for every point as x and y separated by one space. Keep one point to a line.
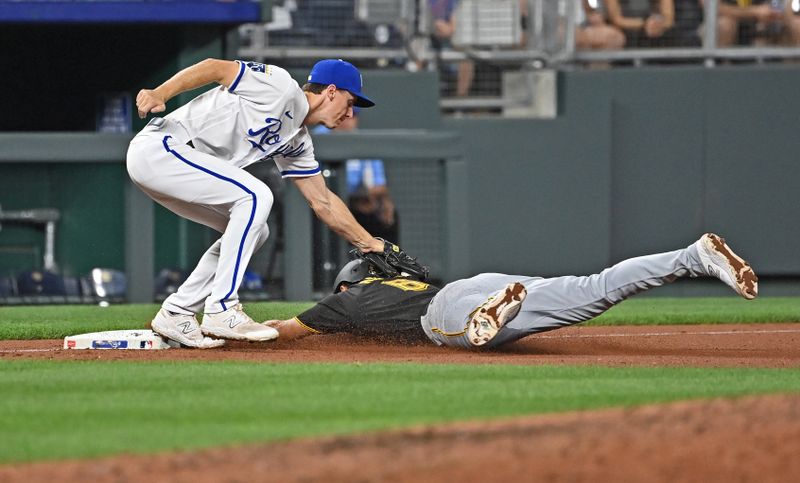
496 312
720 261
235 324
183 329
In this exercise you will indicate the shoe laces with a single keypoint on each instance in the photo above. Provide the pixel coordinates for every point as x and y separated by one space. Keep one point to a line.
181 317
239 309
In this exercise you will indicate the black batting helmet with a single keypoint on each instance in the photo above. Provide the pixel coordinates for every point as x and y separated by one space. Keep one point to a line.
354 272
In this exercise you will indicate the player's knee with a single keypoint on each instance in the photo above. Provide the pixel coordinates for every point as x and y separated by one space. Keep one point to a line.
132 159
215 248
263 199
256 203
262 235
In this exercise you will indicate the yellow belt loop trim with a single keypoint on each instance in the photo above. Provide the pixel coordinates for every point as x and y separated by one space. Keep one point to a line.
448 334
315 331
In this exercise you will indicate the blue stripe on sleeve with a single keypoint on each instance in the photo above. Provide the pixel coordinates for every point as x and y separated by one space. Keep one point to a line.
238 77
301 172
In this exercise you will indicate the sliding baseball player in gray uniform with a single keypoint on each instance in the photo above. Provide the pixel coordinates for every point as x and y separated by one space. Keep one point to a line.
491 309
191 161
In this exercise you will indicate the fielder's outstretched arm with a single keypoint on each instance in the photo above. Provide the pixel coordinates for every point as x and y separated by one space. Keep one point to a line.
333 212
200 74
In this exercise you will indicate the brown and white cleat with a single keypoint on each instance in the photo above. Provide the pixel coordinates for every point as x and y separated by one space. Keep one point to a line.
495 313
720 261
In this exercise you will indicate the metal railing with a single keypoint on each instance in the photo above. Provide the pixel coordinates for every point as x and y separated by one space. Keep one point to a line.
403 34
47 217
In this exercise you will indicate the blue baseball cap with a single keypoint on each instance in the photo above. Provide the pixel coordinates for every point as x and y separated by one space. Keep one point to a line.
343 75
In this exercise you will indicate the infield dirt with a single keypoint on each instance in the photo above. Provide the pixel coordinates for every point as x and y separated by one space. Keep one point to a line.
741 345
747 439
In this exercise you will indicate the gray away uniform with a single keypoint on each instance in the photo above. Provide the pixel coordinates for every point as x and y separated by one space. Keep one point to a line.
408 309
553 303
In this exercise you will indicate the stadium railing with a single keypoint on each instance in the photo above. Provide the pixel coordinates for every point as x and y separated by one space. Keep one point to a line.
493 36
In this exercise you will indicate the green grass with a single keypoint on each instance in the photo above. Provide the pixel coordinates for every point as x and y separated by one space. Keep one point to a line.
58 321
81 409
54 410
702 310
55 322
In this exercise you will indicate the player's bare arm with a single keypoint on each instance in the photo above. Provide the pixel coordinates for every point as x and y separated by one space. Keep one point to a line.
290 329
205 72
332 211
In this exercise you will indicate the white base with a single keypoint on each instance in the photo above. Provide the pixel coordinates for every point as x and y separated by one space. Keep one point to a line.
119 339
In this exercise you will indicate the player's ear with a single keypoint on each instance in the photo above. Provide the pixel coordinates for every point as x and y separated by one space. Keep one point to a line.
330 91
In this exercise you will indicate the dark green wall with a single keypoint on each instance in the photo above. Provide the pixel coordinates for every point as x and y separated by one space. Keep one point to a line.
639 161
540 190
90 198
752 168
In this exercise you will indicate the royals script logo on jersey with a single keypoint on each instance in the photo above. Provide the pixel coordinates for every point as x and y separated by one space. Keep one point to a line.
270 135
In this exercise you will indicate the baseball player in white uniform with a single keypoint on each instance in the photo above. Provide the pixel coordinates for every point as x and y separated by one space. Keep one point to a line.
191 161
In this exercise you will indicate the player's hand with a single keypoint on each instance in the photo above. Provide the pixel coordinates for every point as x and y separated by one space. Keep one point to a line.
393 261
374 245
149 100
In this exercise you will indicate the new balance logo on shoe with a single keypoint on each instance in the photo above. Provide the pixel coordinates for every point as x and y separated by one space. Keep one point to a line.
182 329
233 322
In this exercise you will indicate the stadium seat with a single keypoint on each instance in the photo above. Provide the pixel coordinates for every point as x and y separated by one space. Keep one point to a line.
73 289
41 287
167 282
8 286
8 290
252 287
108 285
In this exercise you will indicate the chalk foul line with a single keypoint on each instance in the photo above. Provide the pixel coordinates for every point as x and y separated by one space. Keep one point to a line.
563 336
668 334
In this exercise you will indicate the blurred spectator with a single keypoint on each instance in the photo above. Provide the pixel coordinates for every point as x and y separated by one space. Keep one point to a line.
504 22
374 209
687 31
331 23
646 23
594 33
793 21
443 28
524 22
369 198
759 22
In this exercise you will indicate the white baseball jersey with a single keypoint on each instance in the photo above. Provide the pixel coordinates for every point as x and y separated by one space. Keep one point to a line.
266 108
